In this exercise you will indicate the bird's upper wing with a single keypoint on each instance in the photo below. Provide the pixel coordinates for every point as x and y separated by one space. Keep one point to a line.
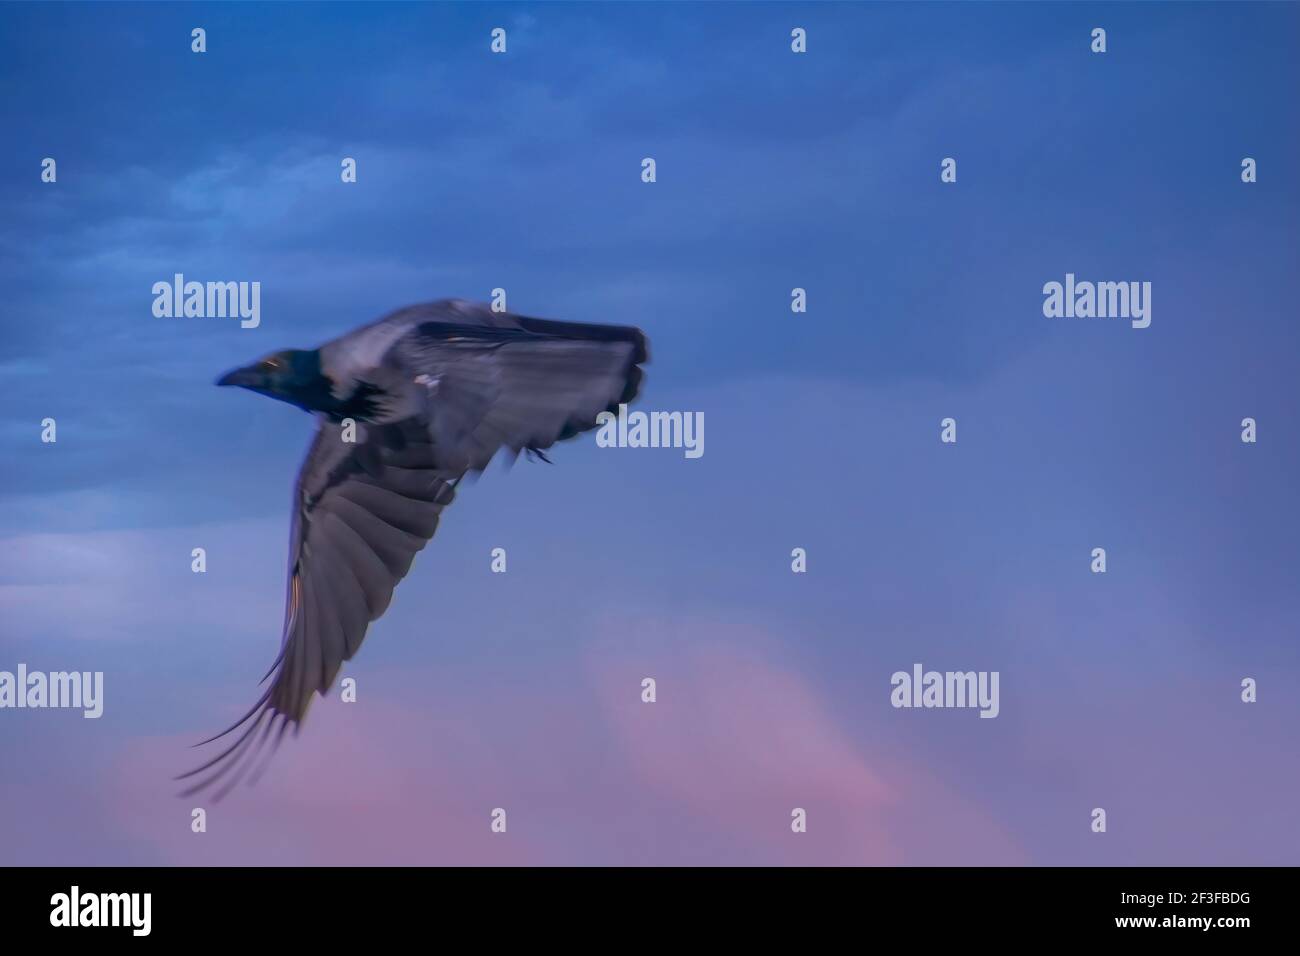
362 510
494 380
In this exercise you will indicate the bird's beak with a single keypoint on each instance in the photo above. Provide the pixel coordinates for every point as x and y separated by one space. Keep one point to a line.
243 378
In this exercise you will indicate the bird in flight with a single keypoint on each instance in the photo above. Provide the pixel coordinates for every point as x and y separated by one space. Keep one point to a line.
405 407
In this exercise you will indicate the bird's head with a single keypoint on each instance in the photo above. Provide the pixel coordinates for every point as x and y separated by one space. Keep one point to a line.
291 376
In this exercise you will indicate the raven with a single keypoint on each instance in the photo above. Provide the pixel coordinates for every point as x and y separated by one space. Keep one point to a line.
406 406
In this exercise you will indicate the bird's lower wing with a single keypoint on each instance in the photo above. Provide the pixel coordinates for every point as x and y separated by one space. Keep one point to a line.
363 510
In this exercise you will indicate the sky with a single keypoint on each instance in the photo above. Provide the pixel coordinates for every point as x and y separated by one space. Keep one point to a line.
774 170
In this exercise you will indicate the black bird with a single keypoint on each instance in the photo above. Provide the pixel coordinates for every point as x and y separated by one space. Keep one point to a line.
427 394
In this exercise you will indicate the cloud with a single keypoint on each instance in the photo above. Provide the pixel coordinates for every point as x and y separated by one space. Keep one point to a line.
587 773
737 740
59 589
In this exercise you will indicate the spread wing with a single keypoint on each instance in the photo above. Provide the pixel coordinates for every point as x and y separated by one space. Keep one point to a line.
489 380
362 511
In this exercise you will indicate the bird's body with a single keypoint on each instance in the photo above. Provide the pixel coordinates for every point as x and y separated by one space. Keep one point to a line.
406 406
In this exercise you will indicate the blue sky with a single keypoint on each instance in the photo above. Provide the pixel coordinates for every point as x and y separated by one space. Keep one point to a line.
774 171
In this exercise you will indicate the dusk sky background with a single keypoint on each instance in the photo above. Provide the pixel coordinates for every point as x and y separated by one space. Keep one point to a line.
775 170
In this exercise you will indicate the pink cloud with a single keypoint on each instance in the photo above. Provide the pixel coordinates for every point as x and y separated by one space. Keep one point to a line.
735 743
587 773
356 788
